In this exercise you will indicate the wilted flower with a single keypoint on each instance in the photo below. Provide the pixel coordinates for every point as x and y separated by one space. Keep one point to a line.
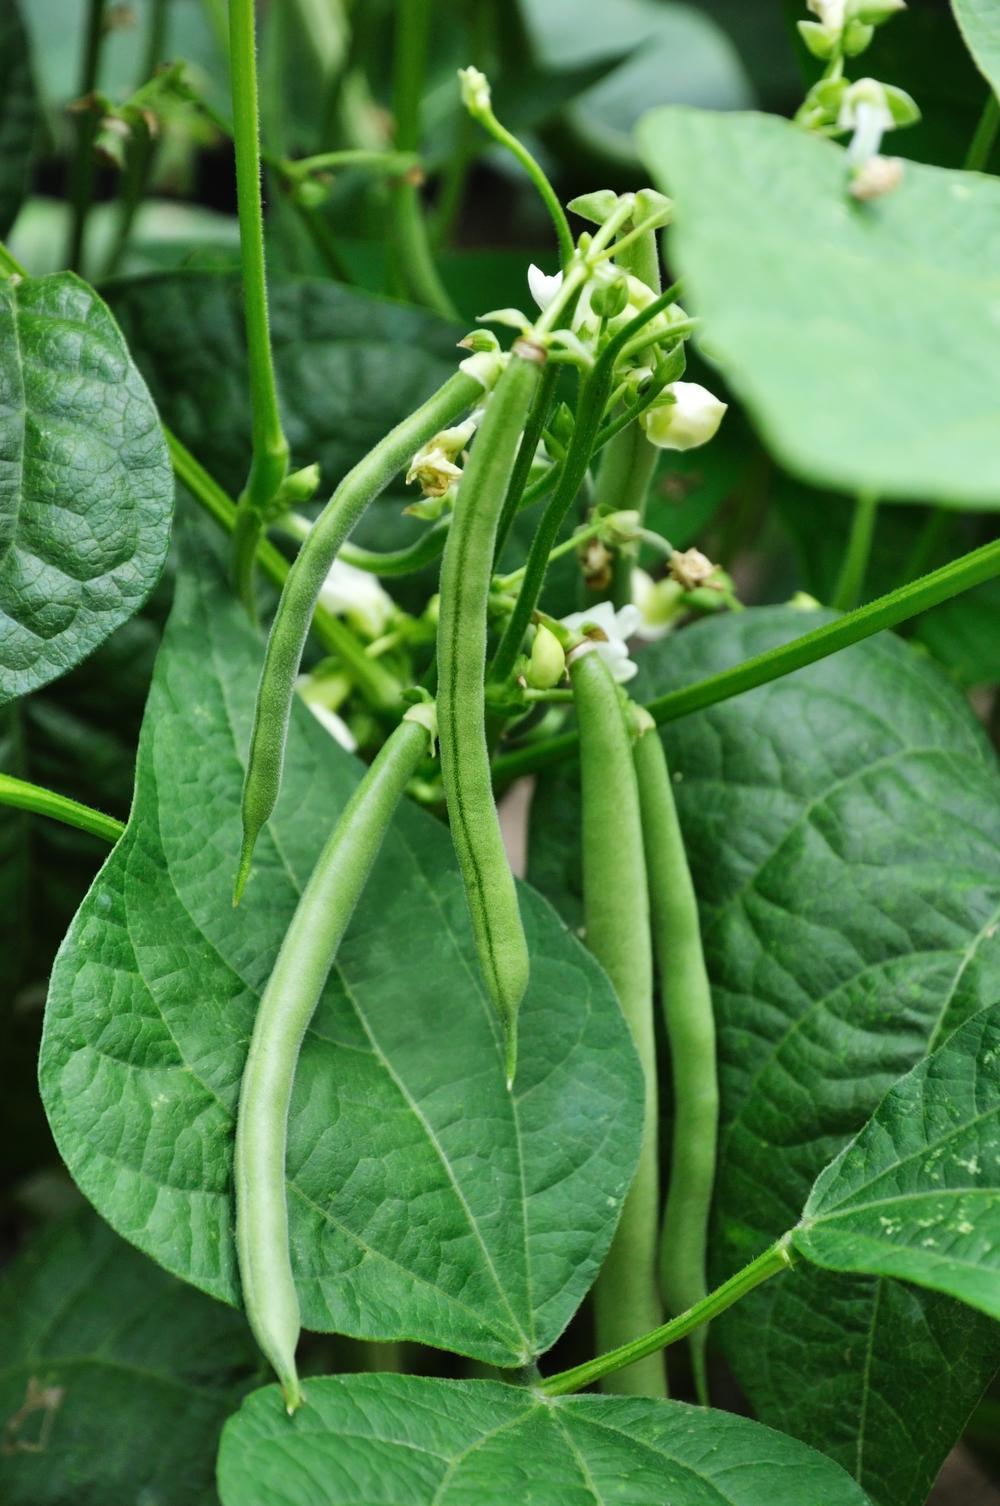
434 465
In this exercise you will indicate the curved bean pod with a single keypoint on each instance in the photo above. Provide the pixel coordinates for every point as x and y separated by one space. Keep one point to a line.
616 911
687 1005
465 763
286 1007
290 627
389 563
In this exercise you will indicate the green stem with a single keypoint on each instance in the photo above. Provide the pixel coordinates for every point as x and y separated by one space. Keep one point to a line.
581 536
985 136
590 413
413 255
82 173
379 162
887 611
377 686
546 192
778 1258
616 911
269 463
854 566
394 562
24 796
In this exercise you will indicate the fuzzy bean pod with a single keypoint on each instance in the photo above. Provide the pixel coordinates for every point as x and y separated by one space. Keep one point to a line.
290 627
466 572
616 912
286 1007
687 1006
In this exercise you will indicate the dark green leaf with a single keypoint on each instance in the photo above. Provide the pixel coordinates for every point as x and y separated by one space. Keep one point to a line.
400 1227
842 826
850 386
916 1194
406 1441
964 634
18 112
116 1378
86 491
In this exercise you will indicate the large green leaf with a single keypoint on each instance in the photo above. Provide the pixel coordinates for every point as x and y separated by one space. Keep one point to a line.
86 491
18 112
426 1202
678 55
917 1193
116 1378
980 24
842 825
862 337
406 1441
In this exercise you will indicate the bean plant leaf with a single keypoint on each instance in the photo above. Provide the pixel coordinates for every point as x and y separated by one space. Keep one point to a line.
810 309
979 21
842 826
403 1439
401 1226
86 491
916 1194
18 112
116 1377
349 367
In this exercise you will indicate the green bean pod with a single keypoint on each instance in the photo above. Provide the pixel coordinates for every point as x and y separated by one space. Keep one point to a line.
290 627
286 1007
466 572
616 913
687 1006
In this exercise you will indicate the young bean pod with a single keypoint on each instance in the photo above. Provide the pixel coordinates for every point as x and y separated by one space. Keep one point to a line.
290 627
616 911
286 1007
687 1005
465 764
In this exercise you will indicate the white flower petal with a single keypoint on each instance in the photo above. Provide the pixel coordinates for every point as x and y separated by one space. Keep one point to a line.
542 287
692 419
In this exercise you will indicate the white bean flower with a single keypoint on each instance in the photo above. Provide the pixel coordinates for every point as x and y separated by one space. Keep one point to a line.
617 628
542 287
659 604
692 419
358 596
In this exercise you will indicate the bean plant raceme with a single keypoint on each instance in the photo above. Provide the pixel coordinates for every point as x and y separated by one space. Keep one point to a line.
318 1053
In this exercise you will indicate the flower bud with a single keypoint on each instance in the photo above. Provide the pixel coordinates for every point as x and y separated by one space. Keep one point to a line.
547 664
856 38
691 419
475 91
312 193
660 603
821 42
611 299
874 12
480 340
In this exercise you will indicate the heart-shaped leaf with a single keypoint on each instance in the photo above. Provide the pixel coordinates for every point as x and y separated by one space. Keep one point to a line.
405 1441
18 112
861 337
979 21
116 1378
86 490
426 1201
842 826
916 1194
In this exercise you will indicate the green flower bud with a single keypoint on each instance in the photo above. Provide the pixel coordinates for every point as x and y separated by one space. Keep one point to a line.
547 663
611 299
856 38
312 193
821 42
874 12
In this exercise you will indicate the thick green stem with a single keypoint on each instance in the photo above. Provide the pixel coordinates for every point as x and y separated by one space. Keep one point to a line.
888 611
413 256
777 1258
377 686
269 463
23 796
854 566
687 1006
616 915
82 171
985 136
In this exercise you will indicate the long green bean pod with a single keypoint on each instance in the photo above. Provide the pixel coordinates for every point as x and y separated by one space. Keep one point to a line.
286 1007
687 1006
290 627
616 914
465 763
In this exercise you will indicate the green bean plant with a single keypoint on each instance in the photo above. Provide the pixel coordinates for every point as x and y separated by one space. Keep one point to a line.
660 550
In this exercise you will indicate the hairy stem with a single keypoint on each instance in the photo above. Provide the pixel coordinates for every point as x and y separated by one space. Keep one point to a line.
24 796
